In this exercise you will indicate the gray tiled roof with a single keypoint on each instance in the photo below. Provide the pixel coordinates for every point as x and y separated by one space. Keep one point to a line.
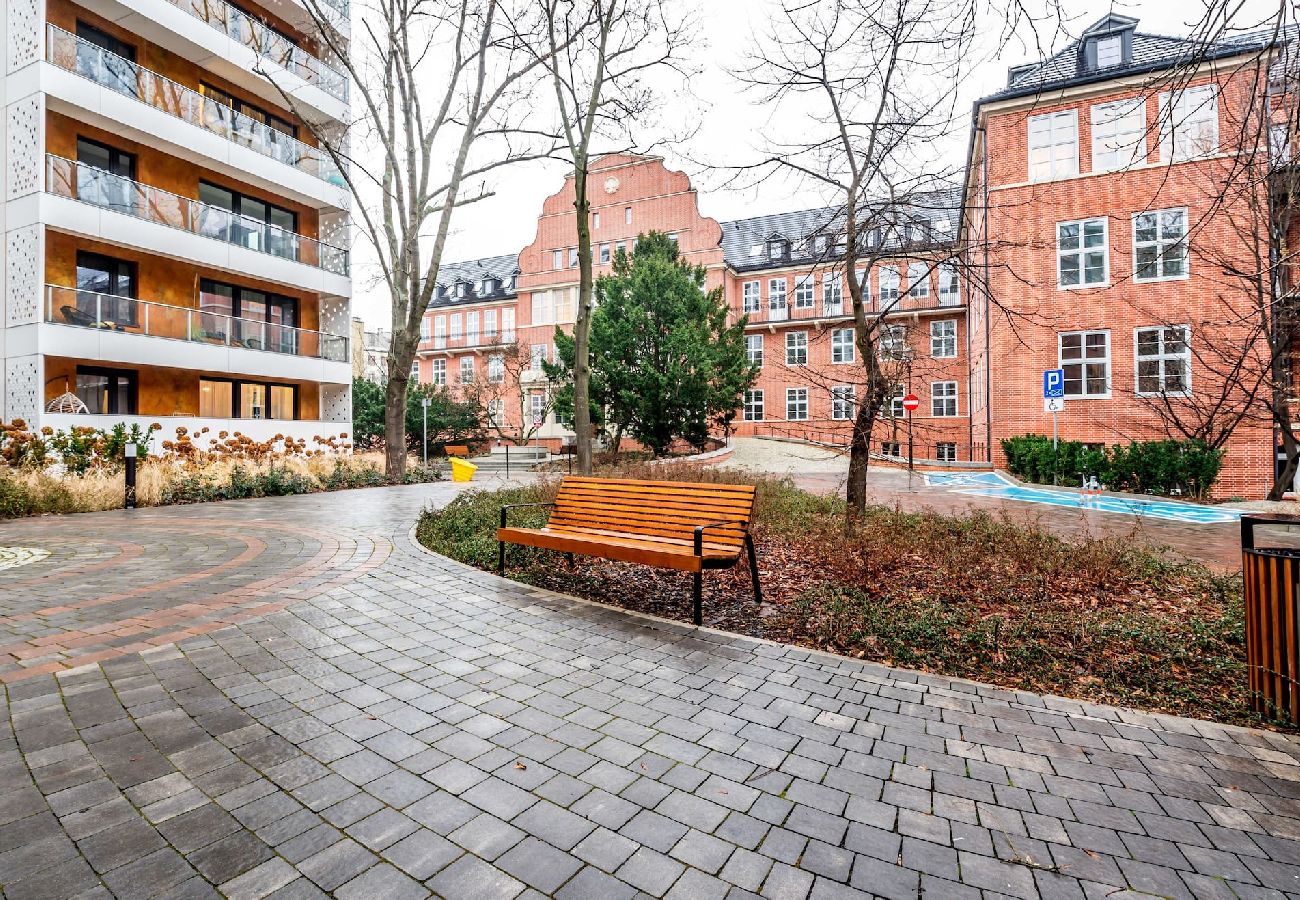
1149 52
474 271
744 241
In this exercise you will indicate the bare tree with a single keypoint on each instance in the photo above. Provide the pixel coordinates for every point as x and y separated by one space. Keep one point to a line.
865 88
506 381
599 55
441 96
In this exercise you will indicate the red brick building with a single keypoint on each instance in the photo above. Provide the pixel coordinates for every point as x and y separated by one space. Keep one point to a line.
1093 233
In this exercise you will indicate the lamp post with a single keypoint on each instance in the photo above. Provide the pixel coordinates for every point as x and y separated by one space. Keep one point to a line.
424 412
130 451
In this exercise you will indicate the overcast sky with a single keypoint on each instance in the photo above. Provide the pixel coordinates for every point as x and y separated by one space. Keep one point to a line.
731 129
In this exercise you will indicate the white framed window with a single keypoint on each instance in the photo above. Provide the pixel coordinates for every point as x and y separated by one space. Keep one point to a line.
1164 360
888 284
751 297
842 349
1054 145
455 326
496 411
496 368
943 399
893 340
1119 134
918 280
595 220
604 253
796 348
537 356
804 293
894 405
557 259
832 294
489 324
943 338
842 402
796 404
438 372
508 325
573 257
461 287
566 303
754 349
439 332
1160 245
1189 123
1085 359
627 215
891 448
471 328
945 451
777 307
1110 51
426 328
753 410
1082 253
543 312
949 285
467 370
415 371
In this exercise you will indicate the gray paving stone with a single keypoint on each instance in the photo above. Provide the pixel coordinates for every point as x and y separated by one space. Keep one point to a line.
539 865
651 872
472 879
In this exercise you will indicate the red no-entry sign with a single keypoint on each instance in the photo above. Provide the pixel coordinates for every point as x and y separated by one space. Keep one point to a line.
911 403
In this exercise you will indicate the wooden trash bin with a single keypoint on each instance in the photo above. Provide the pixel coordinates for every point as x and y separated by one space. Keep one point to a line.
1271 581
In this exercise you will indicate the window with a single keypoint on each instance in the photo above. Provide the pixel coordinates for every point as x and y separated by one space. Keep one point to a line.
842 402
595 221
1164 360
105 176
215 398
1053 145
891 448
1189 123
842 345
751 298
604 253
439 372
537 409
754 349
573 257
894 405
804 293
1160 245
943 399
565 300
945 451
537 357
108 391
426 328
471 329
777 250
489 324
557 259
455 326
496 368
116 71
796 404
1119 134
949 285
796 348
1085 358
943 339
543 313
776 304
1081 253
261 321
105 291
753 406
496 410
888 284
893 340
245 112
508 325
832 294
918 280
439 332
247 221
223 398
467 370
627 215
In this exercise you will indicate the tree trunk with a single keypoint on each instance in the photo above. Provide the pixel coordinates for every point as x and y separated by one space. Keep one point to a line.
859 459
582 324
395 428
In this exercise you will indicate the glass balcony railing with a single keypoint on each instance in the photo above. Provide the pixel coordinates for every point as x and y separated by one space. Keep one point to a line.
106 312
90 184
267 43
81 57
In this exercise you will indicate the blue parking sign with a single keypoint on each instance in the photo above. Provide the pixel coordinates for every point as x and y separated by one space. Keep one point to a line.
1053 384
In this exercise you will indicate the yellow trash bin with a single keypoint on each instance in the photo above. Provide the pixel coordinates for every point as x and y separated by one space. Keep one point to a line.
462 470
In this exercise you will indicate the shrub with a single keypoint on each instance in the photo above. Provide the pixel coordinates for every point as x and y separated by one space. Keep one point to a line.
1145 467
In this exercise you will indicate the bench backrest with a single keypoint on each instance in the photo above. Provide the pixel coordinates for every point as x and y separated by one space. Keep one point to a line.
456 450
654 510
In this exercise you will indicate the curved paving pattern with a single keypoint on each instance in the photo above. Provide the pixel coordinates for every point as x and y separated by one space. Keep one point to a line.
320 707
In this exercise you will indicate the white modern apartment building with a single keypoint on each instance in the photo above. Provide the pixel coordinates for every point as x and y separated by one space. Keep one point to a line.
174 239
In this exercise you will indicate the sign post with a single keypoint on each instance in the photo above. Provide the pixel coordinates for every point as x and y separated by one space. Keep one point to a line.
1054 402
911 403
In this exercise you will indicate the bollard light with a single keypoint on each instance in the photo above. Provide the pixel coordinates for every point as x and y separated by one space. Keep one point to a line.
130 451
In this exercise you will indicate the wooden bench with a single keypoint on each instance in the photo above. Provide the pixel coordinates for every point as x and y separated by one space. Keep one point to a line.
457 450
687 526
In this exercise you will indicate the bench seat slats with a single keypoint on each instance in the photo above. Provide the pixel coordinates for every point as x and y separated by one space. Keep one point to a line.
710 548
651 553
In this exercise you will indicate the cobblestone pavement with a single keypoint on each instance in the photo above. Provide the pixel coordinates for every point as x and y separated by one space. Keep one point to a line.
289 698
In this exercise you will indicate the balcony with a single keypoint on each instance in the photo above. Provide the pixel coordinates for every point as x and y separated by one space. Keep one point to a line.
467 341
98 187
110 314
769 314
120 75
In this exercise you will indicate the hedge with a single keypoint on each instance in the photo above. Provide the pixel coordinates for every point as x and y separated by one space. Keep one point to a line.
1143 467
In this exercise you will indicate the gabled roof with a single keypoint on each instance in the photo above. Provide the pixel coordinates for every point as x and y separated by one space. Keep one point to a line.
474 271
1147 53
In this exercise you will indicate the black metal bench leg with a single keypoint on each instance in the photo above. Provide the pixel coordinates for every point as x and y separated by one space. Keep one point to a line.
753 568
571 563
501 557
697 599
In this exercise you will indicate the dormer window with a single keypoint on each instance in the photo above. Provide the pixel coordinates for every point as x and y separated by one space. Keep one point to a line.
460 288
514 280
485 286
442 291
1110 51
777 249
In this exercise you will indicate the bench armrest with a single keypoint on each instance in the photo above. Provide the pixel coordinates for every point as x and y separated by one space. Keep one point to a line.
699 532
519 506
